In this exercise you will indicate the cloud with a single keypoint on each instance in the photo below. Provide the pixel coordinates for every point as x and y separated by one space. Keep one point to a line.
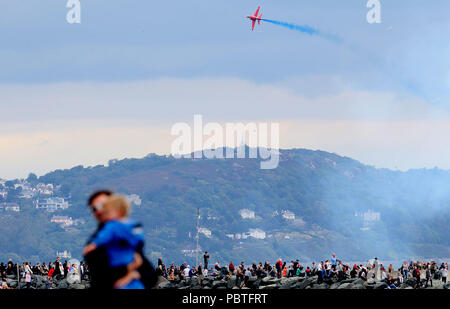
220 99
50 126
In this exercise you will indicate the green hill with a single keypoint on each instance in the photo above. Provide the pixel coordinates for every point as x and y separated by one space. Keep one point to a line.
313 204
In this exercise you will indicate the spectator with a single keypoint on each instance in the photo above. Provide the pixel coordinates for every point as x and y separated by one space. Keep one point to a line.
206 259
444 273
428 276
333 262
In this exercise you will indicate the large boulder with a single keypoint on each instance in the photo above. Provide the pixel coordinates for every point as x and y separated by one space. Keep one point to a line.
359 281
231 282
334 286
269 287
62 284
304 283
253 283
207 282
322 286
345 285
165 285
219 283
370 281
447 286
287 283
270 281
380 285
11 282
193 281
410 281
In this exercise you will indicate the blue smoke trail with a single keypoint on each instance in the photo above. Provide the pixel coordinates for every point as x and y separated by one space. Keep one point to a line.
305 29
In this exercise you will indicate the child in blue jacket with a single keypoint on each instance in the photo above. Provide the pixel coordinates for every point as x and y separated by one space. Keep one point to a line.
121 238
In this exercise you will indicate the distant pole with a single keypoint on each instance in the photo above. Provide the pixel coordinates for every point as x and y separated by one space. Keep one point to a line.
196 250
18 276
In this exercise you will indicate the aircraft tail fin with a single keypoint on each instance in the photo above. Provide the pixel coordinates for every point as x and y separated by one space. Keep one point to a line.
259 20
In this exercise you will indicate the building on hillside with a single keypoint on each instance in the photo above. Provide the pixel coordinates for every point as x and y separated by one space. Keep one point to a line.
134 199
191 252
46 189
4 194
52 204
288 215
205 231
257 233
247 213
10 207
27 193
369 219
63 220
64 254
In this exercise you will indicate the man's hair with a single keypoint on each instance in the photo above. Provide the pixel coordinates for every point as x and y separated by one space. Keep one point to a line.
97 194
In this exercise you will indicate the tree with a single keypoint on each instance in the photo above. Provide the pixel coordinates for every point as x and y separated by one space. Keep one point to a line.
32 178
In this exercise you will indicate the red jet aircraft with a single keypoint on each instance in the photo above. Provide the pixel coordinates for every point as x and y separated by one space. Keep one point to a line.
255 18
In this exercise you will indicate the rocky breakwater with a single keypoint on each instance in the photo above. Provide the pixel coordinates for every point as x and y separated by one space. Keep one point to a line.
231 282
41 283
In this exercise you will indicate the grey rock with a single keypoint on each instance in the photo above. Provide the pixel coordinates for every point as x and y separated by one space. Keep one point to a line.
253 283
346 285
231 282
359 281
165 285
193 281
334 286
62 284
269 287
287 283
270 281
447 286
207 282
304 283
219 283
380 286
322 286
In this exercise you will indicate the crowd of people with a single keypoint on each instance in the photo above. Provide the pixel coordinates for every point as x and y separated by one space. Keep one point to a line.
325 271
56 270
115 258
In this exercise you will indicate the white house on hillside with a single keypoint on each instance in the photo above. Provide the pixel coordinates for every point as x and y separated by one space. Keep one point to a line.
51 204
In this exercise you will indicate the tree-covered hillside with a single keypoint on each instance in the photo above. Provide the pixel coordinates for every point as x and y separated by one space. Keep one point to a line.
312 204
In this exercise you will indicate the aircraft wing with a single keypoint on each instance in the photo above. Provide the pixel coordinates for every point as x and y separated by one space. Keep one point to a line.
256 14
253 24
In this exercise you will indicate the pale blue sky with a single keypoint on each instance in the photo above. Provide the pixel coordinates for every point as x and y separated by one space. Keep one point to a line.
50 70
